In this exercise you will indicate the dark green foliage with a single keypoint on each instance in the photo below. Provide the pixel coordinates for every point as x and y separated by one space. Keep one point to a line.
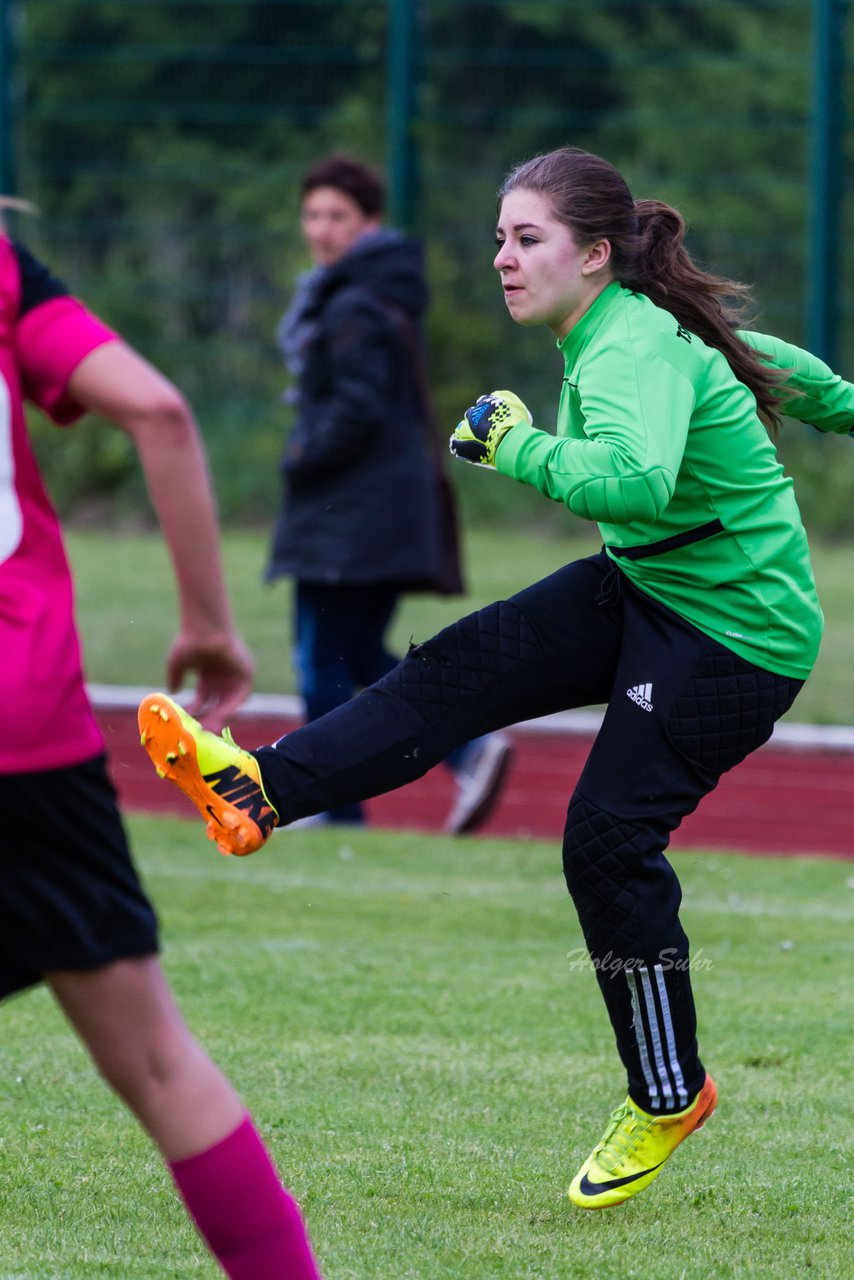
164 143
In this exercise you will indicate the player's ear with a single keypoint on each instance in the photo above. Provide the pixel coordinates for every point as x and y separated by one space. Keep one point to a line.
597 257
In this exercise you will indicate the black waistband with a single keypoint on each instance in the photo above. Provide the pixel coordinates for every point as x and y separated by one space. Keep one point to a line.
707 530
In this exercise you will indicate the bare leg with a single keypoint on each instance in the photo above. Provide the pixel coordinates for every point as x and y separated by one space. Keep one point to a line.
128 1019
126 1016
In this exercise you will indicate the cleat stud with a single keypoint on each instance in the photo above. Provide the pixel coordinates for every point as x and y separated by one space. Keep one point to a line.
182 749
171 756
164 715
142 739
159 771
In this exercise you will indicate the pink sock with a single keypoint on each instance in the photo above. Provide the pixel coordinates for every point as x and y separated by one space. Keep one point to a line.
250 1223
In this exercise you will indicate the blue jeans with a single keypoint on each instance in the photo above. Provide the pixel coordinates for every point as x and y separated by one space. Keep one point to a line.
340 649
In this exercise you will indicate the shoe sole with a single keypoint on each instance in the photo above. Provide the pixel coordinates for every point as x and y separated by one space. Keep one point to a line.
482 807
172 749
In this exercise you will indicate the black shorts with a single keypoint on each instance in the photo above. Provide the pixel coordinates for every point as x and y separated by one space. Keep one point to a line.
70 897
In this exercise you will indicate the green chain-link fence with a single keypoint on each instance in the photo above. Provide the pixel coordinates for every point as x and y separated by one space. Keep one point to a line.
163 143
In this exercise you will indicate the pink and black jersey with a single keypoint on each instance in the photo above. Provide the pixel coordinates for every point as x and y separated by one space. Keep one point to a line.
46 721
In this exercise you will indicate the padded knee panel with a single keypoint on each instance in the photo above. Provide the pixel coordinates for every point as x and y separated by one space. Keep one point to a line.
728 710
464 659
601 856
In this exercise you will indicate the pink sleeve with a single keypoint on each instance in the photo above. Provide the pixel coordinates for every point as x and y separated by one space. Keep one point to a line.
50 342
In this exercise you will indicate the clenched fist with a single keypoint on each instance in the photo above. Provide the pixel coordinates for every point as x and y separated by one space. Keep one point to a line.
481 430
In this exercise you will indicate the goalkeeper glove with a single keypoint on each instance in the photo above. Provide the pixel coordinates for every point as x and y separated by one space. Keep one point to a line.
479 433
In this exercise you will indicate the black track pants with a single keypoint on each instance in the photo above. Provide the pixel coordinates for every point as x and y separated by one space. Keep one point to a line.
681 710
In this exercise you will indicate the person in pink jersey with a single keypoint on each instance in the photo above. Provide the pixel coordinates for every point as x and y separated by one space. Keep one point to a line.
74 913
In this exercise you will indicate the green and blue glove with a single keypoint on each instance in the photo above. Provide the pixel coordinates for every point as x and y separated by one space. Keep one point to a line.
481 430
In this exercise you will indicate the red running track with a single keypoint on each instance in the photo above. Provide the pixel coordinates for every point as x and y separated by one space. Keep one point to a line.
784 799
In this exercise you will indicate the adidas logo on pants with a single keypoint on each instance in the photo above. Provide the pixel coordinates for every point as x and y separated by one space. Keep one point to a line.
642 695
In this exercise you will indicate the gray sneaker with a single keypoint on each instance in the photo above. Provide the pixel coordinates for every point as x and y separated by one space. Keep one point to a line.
479 784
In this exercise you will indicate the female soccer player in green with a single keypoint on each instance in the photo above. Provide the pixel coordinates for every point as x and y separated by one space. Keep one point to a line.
697 623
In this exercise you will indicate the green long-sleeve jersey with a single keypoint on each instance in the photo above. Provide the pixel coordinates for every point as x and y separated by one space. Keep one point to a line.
661 445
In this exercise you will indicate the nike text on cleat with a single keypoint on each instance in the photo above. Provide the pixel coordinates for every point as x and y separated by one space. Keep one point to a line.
222 780
635 1148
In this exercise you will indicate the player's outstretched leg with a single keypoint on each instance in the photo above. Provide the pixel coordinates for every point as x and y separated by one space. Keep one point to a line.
634 1148
222 780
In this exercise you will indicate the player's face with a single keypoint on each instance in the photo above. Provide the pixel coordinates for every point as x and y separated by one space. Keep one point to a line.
547 278
332 222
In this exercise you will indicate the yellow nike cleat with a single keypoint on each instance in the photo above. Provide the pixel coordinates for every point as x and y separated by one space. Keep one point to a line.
222 780
634 1149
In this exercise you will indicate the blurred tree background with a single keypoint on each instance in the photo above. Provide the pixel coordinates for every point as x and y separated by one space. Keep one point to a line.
163 143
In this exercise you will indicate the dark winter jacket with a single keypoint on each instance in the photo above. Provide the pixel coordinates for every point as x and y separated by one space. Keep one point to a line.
359 469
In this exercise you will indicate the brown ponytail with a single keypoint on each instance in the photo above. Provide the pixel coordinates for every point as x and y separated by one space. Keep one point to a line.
711 306
648 255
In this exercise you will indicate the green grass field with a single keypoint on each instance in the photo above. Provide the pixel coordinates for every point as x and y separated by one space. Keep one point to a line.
410 1021
127 606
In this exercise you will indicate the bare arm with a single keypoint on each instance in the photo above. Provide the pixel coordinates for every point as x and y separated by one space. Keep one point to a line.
115 382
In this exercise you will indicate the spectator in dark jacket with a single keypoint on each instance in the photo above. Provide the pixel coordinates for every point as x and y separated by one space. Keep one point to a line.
361 521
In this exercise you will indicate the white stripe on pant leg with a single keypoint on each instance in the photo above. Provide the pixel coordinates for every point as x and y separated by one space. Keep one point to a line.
640 1036
678 1078
655 1034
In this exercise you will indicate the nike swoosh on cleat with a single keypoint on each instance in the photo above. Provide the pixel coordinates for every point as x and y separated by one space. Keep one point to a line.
588 1188
213 814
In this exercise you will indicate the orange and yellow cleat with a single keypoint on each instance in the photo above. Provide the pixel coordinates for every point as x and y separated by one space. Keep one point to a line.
634 1149
222 780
